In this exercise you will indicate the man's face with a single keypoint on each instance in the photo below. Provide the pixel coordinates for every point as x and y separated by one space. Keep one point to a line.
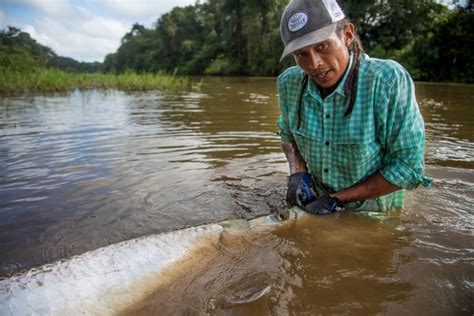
325 62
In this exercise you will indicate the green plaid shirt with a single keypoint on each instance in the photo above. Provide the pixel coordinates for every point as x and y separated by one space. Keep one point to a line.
384 133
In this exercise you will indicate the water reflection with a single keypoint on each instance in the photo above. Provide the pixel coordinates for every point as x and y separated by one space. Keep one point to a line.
234 122
85 170
317 265
449 124
131 164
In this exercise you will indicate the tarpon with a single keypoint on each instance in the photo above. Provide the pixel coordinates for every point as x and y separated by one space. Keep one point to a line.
110 279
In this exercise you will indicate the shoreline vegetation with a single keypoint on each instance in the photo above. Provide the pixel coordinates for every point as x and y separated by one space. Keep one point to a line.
54 80
238 38
50 80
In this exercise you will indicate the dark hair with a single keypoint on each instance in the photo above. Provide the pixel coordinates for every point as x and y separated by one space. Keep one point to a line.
356 48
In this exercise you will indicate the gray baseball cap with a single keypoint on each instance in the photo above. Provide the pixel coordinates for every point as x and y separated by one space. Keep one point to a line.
307 22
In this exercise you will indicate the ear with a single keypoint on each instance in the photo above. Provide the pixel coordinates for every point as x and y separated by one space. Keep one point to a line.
349 34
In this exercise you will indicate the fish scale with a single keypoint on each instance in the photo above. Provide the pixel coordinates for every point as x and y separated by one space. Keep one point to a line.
109 279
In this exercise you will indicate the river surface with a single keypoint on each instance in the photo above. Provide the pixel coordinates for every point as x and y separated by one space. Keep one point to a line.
84 170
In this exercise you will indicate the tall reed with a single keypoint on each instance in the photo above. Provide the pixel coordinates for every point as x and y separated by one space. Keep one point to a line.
53 80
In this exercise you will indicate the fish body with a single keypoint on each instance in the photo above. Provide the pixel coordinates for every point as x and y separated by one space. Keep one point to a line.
109 279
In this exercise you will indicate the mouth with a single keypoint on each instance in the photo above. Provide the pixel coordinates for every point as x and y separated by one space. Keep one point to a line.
321 75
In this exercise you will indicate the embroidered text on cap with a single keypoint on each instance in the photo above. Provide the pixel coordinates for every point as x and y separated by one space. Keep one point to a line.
297 21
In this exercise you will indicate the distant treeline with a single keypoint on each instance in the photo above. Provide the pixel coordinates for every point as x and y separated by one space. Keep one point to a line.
21 53
241 37
29 67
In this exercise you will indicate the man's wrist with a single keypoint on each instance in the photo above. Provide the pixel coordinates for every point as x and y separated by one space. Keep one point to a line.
297 169
295 160
339 196
324 205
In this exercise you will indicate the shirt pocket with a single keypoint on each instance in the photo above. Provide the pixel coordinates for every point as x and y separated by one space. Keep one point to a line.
356 155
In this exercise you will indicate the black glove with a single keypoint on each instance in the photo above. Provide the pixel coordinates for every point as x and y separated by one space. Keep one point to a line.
300 189
324 205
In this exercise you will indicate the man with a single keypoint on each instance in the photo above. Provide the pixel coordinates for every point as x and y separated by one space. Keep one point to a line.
350 125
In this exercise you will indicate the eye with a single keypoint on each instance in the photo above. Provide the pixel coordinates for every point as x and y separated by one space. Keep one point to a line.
301 55
322 47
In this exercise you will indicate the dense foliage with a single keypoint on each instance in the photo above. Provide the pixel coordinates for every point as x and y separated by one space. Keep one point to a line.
27 66
214 37
241 37
21 53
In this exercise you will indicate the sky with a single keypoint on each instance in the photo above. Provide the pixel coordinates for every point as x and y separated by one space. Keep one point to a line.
86 30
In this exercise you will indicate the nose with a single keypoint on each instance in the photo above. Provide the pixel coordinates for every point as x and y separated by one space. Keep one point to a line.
314 60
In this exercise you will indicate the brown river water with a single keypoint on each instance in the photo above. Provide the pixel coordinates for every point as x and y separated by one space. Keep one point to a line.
87 169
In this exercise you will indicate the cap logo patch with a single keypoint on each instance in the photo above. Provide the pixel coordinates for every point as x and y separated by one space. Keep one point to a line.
297 21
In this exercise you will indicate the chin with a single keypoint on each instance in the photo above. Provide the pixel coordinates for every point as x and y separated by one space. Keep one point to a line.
325 84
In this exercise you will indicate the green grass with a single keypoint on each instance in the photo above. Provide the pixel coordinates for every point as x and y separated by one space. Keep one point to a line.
53 80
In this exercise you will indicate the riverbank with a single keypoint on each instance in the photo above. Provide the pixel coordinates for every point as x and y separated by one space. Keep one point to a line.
53 80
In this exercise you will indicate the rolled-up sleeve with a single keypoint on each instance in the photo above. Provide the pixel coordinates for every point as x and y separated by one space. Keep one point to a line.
404 136
282 123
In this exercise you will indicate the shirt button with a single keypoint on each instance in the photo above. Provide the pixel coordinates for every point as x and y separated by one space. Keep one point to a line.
327 143
328 116
326 170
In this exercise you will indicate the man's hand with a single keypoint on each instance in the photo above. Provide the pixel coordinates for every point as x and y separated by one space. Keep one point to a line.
324 205
300 189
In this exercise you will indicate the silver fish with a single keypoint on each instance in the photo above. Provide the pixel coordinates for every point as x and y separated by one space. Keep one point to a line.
107 280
